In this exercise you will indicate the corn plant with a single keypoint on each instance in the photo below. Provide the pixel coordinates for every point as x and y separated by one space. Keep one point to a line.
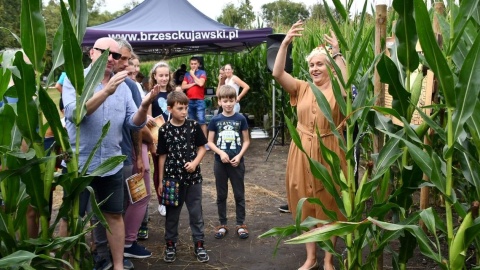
455 69
27 177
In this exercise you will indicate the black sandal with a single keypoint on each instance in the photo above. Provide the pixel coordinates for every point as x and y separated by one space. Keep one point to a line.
220 234
243 234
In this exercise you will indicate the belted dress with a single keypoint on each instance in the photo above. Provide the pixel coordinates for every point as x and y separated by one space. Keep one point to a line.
300 182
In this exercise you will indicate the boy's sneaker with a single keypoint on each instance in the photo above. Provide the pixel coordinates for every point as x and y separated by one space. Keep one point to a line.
103 264
162 210
136 251
284 209
127 264
142 233
170 252
201 252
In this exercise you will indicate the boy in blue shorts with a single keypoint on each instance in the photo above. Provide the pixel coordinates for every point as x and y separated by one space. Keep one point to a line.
228 138
180 149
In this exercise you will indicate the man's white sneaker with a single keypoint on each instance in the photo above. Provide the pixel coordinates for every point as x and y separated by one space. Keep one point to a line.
162 210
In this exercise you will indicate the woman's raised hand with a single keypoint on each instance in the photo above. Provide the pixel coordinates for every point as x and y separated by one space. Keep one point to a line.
333 41
294 32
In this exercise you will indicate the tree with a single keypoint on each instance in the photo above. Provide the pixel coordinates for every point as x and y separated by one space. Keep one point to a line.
283 12
318 12
9 18
241 17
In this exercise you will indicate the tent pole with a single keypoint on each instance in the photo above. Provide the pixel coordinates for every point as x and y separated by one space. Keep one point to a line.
273 107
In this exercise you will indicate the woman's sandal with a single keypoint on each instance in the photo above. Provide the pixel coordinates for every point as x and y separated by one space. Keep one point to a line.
219 233
243 234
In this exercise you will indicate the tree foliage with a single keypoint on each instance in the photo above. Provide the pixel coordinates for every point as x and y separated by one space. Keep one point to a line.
283 12
240 17
9 14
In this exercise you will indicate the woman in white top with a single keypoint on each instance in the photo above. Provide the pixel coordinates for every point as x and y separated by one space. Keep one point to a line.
237 83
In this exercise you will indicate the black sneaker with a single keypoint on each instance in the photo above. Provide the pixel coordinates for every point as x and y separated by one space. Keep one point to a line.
142 233
170 252
103 264
136 251
284 209
201 252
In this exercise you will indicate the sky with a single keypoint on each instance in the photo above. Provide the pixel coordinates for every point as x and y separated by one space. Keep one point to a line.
213 8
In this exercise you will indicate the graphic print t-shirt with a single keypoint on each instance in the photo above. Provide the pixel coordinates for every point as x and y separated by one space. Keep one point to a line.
172 141
228 133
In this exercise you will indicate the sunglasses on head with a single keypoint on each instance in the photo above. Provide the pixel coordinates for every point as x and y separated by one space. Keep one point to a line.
114 55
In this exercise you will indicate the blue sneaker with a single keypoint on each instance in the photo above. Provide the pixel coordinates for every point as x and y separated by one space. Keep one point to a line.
136 251
127 264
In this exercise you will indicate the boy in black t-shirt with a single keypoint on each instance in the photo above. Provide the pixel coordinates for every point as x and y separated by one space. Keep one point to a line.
180 149
228 138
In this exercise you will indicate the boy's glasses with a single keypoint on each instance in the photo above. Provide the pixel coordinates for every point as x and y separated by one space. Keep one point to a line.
114 55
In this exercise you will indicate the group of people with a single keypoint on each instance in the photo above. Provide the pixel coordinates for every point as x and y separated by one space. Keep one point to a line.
176 153
182 142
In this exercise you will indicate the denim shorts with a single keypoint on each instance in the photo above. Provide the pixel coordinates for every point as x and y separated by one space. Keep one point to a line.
106 185
196 110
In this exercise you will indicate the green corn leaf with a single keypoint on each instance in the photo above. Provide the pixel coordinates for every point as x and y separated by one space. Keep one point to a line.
358 60
428 218
325 107
33 34
389 74
96 209
418 155
7 118
388 155
105 129
358 35
94 77
340 9
432 124
108 165
408 243
468 86
365 190
406 34
50 112
325 232
27 112
82 19
279 232
17 258
336 29
434 56
334 163
72 52
5 76
473 124
57 53
470 170
466 12
422 239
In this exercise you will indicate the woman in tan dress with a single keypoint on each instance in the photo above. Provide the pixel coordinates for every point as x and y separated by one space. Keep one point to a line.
300 182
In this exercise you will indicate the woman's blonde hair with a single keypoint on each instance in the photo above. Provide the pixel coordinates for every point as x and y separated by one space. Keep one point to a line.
317 51
152 82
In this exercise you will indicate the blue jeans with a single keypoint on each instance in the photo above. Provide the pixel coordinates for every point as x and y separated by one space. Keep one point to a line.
196 110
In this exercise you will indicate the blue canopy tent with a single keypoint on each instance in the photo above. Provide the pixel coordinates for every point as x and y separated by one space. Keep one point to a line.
175 27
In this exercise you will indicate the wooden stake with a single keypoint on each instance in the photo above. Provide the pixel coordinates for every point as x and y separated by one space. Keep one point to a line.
379 88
